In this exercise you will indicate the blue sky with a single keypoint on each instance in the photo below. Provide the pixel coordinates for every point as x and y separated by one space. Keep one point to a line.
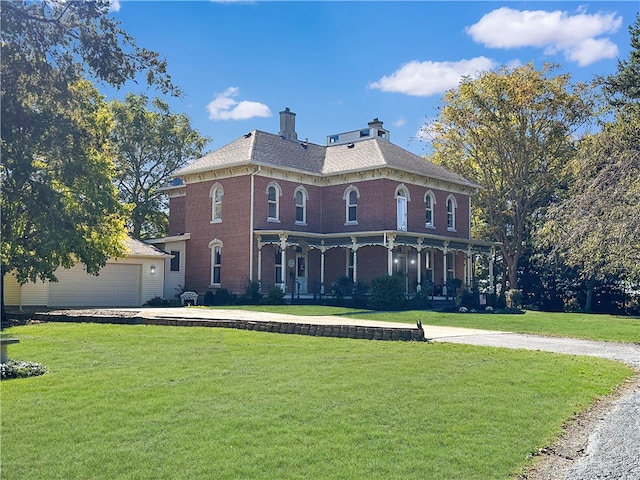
338 65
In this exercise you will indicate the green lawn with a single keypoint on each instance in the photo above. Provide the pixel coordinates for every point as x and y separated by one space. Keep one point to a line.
151 402
609 328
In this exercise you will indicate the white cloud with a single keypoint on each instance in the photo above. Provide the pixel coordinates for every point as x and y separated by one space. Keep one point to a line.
574 35
400 122
114 5
430 78
224 107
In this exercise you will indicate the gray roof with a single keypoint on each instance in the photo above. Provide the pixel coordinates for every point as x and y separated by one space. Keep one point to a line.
138 248
266 149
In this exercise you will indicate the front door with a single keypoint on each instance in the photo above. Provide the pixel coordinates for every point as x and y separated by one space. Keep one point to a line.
301 272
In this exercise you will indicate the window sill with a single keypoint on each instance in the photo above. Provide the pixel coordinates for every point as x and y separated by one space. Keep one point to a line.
214 285
430 227
449 229
217 220
353 222
273 220
304 224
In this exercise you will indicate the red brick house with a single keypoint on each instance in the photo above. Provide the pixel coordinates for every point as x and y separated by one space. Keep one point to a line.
280 211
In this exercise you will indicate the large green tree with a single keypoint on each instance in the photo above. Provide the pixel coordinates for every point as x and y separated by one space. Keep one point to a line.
152 143
59 204
510 131
596 229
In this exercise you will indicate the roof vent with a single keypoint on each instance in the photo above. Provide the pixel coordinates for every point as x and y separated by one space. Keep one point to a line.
247 135
351 145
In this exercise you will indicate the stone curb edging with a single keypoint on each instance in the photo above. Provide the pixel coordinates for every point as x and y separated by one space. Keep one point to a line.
317 330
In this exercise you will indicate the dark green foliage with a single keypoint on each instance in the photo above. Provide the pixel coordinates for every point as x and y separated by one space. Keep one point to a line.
208 298
275 296
360 295
18 369
387 293
223 297
161 302
252 295
342 287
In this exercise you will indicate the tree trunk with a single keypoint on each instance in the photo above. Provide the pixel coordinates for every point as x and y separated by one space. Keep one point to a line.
590 286
3 313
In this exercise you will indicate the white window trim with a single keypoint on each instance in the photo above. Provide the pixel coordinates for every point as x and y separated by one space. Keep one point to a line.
305 197
212 245
212 195
432 196
275 185
345 197
454 207
402 192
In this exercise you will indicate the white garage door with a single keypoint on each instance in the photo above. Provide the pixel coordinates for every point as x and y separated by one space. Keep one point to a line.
116 286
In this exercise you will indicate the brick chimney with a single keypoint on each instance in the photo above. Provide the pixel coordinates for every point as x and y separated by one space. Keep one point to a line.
288 125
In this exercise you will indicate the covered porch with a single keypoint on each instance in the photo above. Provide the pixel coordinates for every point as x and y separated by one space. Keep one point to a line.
306 263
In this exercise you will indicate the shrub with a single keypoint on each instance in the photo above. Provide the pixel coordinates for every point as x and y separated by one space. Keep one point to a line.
18 369
208 298
360 294
514 298
275 296
223 297
252 295
387 293
342 287
161 302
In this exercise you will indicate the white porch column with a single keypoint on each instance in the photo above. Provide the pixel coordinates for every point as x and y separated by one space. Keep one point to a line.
259 262
419 260
283 260
354 249
322 250
469 272
390 239
444 268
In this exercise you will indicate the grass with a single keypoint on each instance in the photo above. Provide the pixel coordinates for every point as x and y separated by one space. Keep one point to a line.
148 402
608 328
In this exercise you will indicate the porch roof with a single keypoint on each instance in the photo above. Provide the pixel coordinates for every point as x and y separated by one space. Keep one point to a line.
380 238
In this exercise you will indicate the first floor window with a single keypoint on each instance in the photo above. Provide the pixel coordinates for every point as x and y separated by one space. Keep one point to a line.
428 263
175 261
451 266
216 264
351 264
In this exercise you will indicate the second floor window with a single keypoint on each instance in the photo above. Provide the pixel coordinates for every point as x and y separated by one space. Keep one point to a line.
451 213
301 205
351 195
216 202
273 201
429 202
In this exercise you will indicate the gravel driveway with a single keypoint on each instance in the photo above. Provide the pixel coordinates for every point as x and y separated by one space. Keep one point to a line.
604 443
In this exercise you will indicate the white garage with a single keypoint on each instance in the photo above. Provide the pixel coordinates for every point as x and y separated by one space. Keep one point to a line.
125 282
118 285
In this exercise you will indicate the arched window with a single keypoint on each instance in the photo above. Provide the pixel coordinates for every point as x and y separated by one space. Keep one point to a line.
216 261
351 196
301 196
402 197
216 195
274 192
429 205
451 212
